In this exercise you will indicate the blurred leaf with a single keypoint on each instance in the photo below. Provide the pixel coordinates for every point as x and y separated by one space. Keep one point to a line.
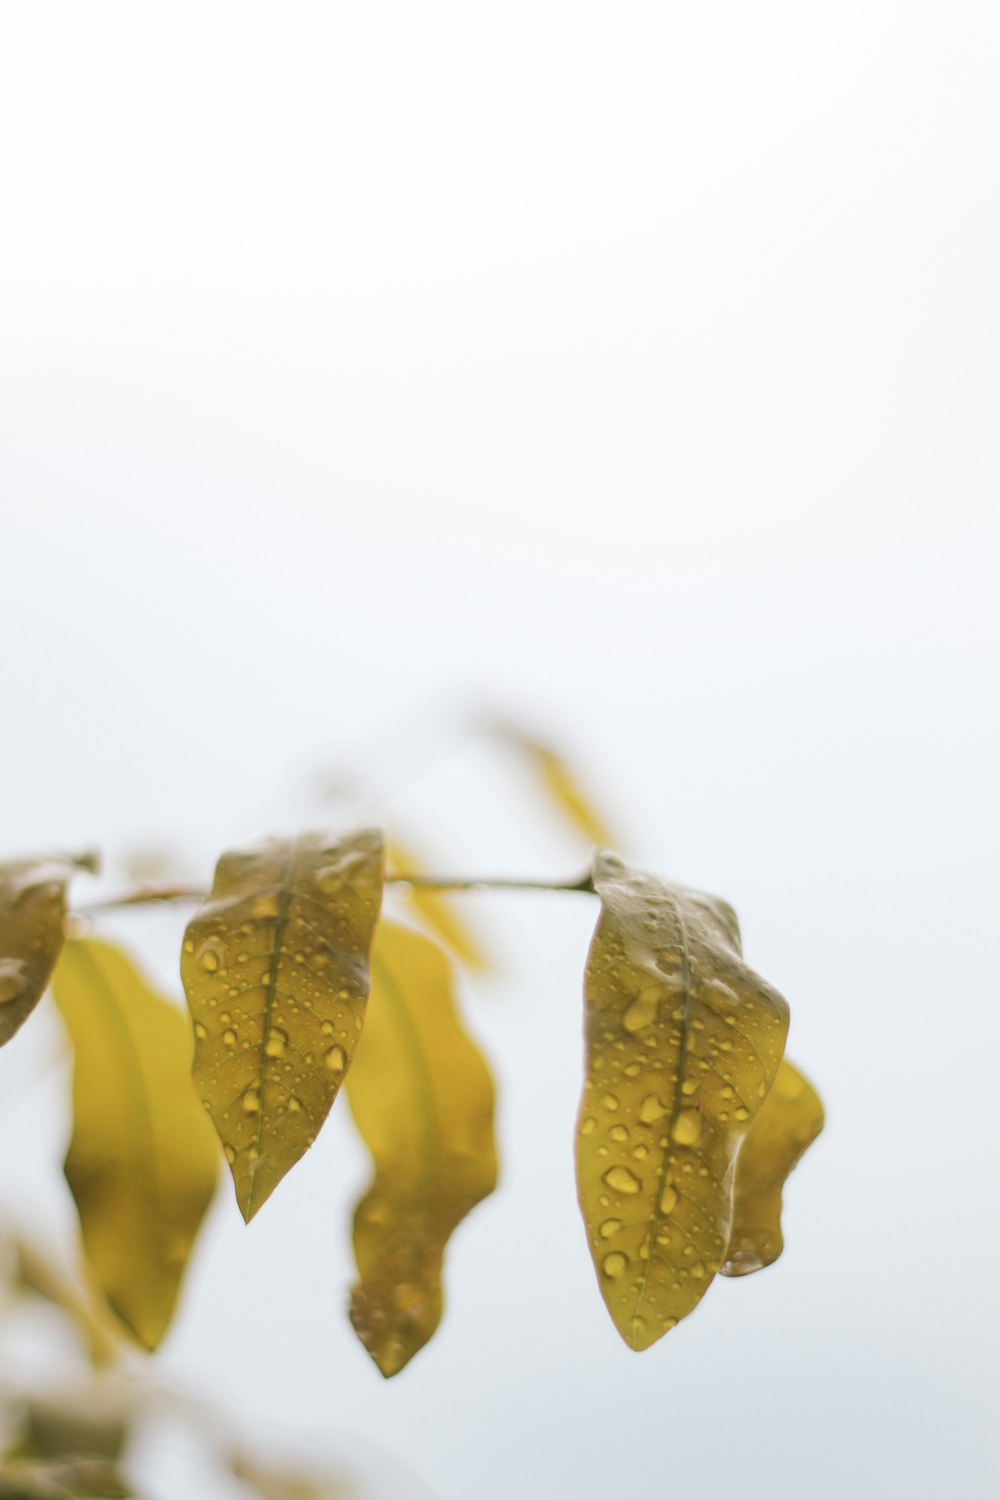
38 1273
683 1042
437 911
142 1161
67 1479
275 965
32 922
788 1122
556 779
91 1421
279 1484
422 1097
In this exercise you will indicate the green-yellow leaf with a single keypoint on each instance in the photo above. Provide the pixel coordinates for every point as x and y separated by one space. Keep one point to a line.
788 1122
142 1162
437 911
422 1098
683 1042
32 922
275 966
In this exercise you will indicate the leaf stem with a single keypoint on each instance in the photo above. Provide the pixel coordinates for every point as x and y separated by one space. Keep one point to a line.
144 895
582 882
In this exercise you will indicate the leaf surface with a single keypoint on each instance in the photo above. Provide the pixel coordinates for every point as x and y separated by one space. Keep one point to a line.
683 1042
438 912
786 1125
422 1097
32 923
275 966
142 1162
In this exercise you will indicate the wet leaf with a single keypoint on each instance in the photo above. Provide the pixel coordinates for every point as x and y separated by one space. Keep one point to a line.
437 911
683 1042
788 1122
275 966
422 1098
142 1162
32 922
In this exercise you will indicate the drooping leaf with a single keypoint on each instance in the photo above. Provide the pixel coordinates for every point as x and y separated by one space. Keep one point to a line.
437 911
142 1162
683 1042
422 1098
275 966
786 1125
557 780
32 923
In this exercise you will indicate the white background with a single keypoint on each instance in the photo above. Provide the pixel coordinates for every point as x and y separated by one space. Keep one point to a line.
632 368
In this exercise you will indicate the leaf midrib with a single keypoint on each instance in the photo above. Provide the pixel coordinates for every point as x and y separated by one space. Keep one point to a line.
284 902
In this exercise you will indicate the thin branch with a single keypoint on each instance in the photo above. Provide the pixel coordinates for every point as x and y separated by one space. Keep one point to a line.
582 882
142 895
145 895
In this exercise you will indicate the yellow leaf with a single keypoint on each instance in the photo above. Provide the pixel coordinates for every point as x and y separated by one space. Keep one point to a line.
275 966
790 1119
422 1098
557 781
142 1164
683 1042
437 911
32 920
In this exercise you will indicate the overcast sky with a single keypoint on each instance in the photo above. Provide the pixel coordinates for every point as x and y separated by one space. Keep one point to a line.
633 369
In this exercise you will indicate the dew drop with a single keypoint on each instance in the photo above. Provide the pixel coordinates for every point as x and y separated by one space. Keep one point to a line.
229 1037
698 1270
652 1109
689 1086
687 1127
210 956
294 1105
200 1031
336 1060
668 1199
251 1101
615 1263
229 1153
589 1126
742 1262
619 1133
742 1114
610 1227
642 1011
621 1180
276 1043
610 1101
